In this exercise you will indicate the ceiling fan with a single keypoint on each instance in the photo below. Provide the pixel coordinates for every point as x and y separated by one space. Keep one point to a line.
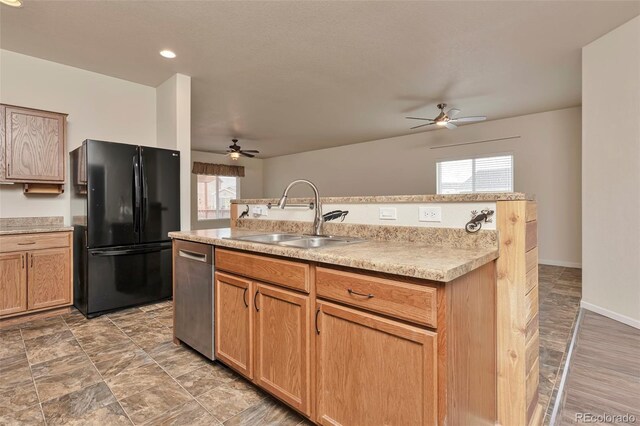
235 151
447 119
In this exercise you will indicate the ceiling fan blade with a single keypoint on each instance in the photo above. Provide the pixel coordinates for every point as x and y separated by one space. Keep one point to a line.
453 112
450 125
251 150
419 118
422 125
246 155
469 119
220 152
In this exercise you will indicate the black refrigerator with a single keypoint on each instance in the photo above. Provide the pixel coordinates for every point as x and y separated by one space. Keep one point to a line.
125 200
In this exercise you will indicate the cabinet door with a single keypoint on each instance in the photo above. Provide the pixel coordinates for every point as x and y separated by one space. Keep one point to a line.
372 370
49 278
282 344
234 322
13 283
34 145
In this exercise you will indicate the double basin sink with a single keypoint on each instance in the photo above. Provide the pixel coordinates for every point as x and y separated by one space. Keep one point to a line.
298 241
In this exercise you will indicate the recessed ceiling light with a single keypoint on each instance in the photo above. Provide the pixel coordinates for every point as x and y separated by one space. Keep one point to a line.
166 53
14 3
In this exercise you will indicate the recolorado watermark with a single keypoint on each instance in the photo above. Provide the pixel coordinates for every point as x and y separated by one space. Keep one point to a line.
605 418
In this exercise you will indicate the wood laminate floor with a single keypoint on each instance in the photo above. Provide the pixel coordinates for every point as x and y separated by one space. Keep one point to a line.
604 374
123 368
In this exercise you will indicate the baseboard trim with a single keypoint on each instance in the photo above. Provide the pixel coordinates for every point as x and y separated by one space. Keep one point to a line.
610 314
560 263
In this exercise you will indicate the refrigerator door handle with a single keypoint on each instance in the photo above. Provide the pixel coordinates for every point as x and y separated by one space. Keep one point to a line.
124 252
136 196
144 212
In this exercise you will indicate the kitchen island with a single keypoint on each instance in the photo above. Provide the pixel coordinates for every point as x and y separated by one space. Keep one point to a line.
401 328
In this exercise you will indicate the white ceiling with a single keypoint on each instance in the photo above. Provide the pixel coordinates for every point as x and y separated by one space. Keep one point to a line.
298 76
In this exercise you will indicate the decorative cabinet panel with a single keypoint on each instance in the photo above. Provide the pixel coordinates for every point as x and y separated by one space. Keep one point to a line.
35 272
13 283
32 148
282 344
234 322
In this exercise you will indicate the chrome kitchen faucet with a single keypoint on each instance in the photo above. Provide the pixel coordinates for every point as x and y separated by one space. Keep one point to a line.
318 220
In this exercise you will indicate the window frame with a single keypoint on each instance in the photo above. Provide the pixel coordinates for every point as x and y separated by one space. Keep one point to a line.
238 189
473 158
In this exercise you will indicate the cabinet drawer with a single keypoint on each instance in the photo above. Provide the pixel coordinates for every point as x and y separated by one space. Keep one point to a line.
28 242
273 270
397 299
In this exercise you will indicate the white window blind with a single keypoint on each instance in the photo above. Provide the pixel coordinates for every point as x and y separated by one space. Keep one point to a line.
481 174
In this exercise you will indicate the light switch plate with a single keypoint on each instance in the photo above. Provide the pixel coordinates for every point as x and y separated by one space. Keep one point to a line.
430 214
388 213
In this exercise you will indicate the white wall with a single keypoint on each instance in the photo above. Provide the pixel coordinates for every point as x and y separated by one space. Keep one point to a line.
611 174
250 185
546 161
173 111
99 107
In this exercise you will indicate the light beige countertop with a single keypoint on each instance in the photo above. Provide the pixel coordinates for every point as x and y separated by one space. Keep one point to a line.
412 259
32 225
33 229
429 198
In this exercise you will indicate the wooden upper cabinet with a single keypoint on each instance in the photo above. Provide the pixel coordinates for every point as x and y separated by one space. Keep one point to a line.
49 278
34 145
282 345
373 371
234 322
13 283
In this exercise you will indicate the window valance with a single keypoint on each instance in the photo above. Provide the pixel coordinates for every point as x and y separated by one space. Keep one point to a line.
217 169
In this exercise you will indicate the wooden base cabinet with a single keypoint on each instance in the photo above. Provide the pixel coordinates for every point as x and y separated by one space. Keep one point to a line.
49 277
234 323
37 279
13 283
361 348
282 347
372 370
262 332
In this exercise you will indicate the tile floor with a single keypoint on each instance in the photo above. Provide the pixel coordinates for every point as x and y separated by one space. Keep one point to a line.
123 368
560 290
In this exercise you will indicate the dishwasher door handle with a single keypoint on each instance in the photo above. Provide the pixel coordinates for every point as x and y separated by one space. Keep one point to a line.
198 257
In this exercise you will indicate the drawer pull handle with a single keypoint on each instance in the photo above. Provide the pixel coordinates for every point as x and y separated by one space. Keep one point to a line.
355 293
317 313
244 297
27 244
199 257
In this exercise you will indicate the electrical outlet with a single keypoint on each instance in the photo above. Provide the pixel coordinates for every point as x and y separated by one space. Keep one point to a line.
388 213
430 214
259 211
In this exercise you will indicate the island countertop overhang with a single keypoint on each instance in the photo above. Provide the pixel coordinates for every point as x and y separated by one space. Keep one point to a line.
410 259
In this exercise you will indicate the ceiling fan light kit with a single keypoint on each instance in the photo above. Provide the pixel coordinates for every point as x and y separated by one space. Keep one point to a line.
12 3
446 119
235 151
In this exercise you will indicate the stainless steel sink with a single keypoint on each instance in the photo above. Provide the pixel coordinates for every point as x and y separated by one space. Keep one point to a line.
300 241
268 238
316 242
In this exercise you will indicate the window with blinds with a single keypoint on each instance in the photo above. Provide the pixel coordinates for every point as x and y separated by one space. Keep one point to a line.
478 174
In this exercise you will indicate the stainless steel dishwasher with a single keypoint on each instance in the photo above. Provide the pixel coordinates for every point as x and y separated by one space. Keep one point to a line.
193 295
